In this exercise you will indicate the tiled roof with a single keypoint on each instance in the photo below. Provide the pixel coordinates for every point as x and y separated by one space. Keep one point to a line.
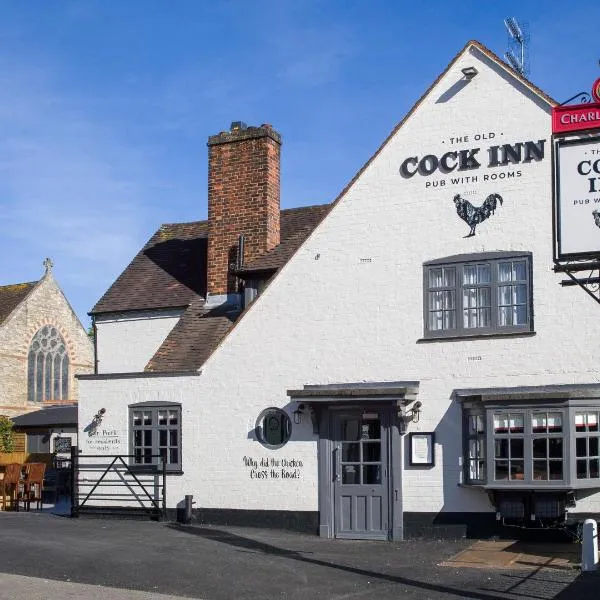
296 225
170 271
193 339
11 296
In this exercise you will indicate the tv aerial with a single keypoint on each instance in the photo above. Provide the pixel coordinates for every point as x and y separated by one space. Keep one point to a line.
517 54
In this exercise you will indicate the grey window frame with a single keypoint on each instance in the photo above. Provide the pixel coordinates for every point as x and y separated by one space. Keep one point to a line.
586 435
155 407
485 258
478 437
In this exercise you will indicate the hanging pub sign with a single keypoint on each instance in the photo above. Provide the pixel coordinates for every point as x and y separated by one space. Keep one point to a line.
577 197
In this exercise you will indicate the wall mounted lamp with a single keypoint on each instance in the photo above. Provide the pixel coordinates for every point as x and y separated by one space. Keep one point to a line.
469 72
298 413
408 415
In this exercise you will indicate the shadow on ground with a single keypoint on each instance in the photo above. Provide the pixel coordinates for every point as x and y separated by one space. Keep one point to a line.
523 587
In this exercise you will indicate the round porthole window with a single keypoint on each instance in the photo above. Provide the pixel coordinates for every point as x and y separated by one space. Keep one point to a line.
273 428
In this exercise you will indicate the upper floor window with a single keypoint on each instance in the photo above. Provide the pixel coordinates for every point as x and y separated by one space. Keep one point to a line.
48 367
468 295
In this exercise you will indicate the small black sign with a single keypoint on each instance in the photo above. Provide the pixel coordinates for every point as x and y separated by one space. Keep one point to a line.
62 444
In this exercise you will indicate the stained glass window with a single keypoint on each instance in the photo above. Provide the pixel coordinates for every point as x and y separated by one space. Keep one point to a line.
48 367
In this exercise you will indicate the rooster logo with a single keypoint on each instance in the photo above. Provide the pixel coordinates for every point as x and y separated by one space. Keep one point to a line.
473 215
596 214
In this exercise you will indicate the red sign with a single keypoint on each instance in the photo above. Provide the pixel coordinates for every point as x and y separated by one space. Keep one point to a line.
575 117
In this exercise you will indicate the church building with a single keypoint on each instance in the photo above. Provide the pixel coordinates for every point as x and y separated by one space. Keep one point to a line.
43 345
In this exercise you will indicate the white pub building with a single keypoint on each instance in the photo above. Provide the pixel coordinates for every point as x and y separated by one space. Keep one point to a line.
402 361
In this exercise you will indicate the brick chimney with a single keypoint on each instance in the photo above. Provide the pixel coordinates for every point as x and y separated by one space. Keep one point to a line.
243 198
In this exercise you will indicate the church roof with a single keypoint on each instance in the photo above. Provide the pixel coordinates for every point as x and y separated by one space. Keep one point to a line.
11 296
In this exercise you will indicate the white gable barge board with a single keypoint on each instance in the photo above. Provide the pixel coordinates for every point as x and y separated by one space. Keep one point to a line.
127 341
361 320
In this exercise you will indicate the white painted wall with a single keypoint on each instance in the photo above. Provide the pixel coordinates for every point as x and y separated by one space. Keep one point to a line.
362 321
127 341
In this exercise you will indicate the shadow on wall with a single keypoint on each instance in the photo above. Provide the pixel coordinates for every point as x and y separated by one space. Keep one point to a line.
465 512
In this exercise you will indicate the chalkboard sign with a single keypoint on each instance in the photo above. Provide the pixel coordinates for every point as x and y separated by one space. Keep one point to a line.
62 444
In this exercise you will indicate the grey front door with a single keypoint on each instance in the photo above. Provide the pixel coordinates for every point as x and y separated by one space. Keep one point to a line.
361 474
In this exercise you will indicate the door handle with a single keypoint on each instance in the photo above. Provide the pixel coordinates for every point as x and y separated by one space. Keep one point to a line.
336 475
396 495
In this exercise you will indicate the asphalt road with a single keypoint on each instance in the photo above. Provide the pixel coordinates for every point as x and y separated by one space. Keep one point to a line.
44 556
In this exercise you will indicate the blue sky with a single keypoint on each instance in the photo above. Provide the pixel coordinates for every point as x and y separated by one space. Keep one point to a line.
106 105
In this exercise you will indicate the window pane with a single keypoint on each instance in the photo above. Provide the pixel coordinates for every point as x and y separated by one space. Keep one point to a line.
147 418
371 429
162 437
516 423
504 316
554 422
372 452
580 446
579 422
469 274
173 456
520 315
435 278
351 452
162 417
594 468
500 423
501 469
147 437
501 448
504 271
540 469
449 319
556 469
350 430
520 294
372 474
593 446
470 318
137 418
484 274
173 437
137 456
555 448
517 469
485 317
449 277
436 321
147 456
436 300
540 448
517 447
592 422
137 438
173 417
519 270
469 297
504 295
484 297
538 423
582 469
350 474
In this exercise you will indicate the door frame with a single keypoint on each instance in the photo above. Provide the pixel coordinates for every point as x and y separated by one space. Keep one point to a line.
325 466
